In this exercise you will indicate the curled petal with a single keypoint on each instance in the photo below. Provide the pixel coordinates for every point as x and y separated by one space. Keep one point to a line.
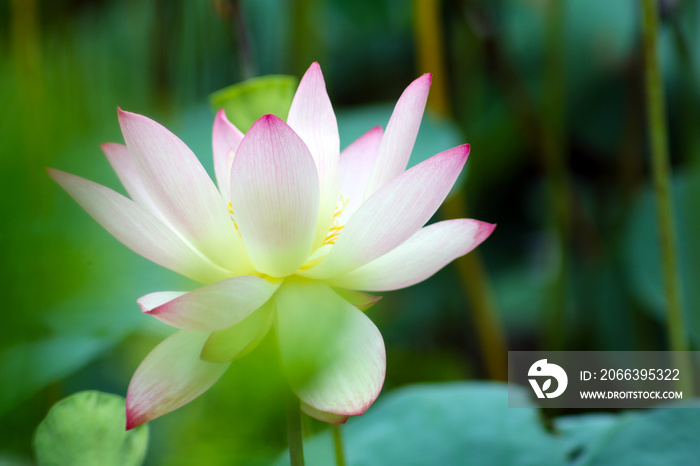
226 138
183 192
275 196
332 354
210 308
171 375
400 135
240 339
393 214
311 116
423 254
138 229
324 416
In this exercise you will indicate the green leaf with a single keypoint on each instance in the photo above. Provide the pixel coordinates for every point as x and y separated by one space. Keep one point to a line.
247 101
446 424
88 428
581 433
659 436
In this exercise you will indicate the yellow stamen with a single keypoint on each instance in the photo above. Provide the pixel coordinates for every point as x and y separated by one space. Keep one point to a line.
230 209
335 229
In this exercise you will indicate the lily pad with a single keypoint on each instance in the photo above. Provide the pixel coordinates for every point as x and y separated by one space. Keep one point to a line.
447 424
88 428
247 101
660 436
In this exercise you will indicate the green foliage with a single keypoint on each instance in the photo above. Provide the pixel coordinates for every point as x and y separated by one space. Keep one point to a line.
653 437
87 429
447 424
247 101
470 423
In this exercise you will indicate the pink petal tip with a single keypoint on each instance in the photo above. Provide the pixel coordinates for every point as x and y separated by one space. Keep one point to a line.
133 419
485 230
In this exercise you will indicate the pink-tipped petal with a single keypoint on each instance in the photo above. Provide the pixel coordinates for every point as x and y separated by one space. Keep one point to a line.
171 375
153 300
311 116
356 164
183 192
226 138
400 136
138 229
323 416
240 339
423 254
213 307
275 196
393 214
332 355
120 160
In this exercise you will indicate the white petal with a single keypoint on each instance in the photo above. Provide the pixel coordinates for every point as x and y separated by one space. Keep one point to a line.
171 375
210 308
275 196
240 339
183 192
138 229
311 116
423 254
322 415
400 135
120 160
226 138
356 164
332 354
393 214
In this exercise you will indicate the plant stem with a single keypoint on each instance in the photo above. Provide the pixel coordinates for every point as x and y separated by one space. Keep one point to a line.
296 444
658 139
431 57
554 151
475 281
338 445
240 27
307 44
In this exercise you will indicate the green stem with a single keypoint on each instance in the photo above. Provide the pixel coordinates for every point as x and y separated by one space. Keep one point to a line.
338 445
554 151
307 44
658 138
296 444
240 27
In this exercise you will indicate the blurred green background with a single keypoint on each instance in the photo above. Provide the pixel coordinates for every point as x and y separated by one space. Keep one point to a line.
549 93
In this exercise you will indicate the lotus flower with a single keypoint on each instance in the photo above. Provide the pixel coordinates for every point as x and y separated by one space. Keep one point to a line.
294 231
